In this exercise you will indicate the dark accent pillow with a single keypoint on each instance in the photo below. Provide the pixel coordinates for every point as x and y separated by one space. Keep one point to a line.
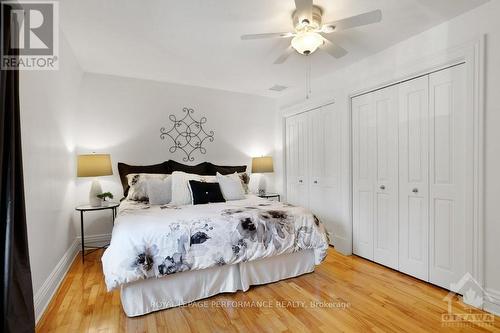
226 169
125 169
204 192
198 169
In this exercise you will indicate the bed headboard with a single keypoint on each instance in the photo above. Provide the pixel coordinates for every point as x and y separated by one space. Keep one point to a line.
167 167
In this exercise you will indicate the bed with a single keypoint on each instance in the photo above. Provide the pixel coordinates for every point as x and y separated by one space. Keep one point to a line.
162 256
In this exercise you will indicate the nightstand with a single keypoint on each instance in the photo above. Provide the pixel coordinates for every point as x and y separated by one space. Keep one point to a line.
88 208
269 196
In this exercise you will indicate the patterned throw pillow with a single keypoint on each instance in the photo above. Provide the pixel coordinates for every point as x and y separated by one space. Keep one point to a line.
245 180
138 185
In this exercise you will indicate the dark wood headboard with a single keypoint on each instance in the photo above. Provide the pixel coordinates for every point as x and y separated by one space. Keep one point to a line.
167 167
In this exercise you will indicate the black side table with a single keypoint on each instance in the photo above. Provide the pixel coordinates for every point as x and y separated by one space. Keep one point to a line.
87 208
269 196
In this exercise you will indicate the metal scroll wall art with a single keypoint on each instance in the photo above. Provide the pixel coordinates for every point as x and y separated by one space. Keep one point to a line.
187 134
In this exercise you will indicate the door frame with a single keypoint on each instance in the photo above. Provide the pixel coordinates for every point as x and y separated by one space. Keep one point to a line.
472 55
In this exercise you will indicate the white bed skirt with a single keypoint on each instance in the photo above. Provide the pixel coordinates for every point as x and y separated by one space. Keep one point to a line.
145 296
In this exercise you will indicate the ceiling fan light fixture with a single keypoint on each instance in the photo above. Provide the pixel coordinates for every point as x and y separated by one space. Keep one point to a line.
307 42
328 28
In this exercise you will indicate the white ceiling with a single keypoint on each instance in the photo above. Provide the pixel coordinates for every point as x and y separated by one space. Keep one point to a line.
197 42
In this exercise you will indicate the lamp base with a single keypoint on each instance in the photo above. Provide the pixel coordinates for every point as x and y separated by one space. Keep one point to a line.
262 185
95 189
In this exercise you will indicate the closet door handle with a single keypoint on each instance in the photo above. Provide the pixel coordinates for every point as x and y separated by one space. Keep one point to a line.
415 190
382 187
300 180
315 182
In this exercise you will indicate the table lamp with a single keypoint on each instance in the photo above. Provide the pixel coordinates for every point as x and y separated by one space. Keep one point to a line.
262 164
94 165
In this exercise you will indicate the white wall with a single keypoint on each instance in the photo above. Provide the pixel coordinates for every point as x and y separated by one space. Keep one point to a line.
390 64
123 116
47 120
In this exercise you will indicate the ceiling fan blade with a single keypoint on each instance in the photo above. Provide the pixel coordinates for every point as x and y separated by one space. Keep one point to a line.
268 35
304 9
282 58
353 21
333 49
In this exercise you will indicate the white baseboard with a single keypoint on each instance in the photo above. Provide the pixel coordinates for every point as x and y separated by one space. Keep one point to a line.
44 295
101 238
49 287
492 302
341 244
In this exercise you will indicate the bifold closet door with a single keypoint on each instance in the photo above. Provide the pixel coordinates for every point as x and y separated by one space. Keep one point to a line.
363 158
413 99
447 91
385 246
291 160
411 172
324 163
297 143
375 178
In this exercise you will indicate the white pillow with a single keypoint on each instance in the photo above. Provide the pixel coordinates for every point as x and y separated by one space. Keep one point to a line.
159 191
138 185
231 186
181 193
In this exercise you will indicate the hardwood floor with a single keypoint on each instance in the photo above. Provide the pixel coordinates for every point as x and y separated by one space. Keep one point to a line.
355 294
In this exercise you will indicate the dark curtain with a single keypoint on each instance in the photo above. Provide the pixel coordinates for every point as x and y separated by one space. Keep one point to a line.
17 291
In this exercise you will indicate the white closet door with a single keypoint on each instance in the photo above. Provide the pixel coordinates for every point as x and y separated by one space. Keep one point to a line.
414 177
291 160
385 219
363 141
296 153
324 164
375 182
447 176
303 163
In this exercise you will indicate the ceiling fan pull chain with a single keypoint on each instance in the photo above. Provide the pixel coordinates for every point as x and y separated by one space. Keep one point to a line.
306 83
308 79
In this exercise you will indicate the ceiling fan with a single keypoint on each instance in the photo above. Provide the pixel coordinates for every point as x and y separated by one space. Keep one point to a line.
310 34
